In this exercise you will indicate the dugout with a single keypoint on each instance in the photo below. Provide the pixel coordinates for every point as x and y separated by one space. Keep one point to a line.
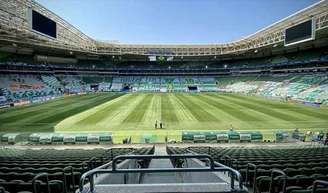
69 139
234 136
199 137
10 138
245 137
57 138
93 139
187 136
105 138
210 136
81 138
281 136
45 138
34 138
256 136
222 137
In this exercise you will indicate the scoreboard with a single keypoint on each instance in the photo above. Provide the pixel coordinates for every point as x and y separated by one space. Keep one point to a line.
299 33
42 24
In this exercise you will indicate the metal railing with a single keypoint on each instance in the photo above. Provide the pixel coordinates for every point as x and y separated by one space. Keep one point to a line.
233 173
213 167
317 183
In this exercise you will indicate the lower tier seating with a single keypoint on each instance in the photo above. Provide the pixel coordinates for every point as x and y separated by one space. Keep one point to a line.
50 170
274 170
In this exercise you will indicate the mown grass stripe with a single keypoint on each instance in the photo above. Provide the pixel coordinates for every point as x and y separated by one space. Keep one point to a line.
103 113
43 115
262 108
49 117
39 111
59 115
153 112
183 114
196 110
26 111
293 108
139 111
168 114
234 112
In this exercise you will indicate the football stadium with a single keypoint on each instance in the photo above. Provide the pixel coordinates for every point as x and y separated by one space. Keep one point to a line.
82 115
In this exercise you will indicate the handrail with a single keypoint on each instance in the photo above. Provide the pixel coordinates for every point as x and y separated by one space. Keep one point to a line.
110 163
233 171
235 174
199 156
40 175
255 175
277 171
91 173
316 183
131 153
114 169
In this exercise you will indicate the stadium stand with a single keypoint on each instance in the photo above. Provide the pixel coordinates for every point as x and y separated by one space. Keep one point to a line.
164 84
289 169
51 170
17 87
37 66
304 87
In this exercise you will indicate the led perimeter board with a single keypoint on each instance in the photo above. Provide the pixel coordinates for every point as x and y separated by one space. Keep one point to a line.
299 33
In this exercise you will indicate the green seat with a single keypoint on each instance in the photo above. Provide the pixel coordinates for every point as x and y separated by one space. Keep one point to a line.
325 190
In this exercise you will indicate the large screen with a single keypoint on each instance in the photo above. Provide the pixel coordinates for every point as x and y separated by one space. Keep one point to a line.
43 24
299 33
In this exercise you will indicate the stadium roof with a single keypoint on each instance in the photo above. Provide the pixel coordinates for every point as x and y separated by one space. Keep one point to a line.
16 28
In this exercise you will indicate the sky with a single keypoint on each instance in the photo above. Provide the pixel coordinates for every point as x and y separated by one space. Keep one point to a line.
172 21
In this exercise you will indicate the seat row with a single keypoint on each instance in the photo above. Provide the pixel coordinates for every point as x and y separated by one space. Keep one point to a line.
289 184
301 166
18 186
283 166
57 175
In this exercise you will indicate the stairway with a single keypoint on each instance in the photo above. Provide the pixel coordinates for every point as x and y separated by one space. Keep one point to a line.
154 178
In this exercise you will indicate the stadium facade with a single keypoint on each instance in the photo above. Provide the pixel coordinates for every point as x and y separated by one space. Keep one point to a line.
17 29
43 57
61 59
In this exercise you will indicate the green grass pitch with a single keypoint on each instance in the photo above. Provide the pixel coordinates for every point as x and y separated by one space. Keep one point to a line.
135 114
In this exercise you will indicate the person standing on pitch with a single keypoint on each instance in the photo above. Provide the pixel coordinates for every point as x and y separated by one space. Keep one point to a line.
326 140
156 124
